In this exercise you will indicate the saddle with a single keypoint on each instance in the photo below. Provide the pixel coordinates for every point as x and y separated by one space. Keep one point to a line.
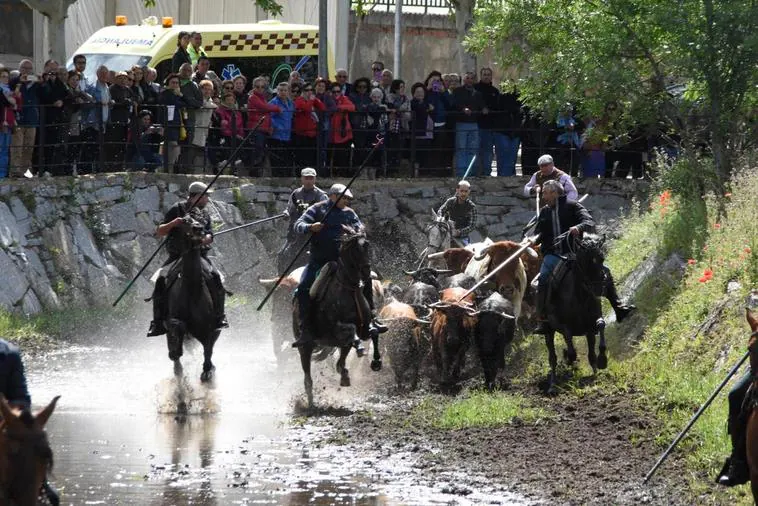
557 276
319 288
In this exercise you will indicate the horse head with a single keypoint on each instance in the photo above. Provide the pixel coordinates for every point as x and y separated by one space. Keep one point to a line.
355 250
590 256
25 454
193 230
439 233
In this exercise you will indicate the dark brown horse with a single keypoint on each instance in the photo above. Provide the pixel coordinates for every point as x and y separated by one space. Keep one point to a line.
25 454
343 315
752 422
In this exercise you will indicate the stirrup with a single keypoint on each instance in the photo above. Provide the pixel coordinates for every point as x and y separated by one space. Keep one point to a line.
157 328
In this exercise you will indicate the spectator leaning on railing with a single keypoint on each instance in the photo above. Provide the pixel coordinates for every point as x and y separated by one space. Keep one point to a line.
258 106
487 121
28 120
123 105
281 134
10 101
341 132
72 106
469 105
230 123
173 107
193 99
53 119
305 126
94 121
202 126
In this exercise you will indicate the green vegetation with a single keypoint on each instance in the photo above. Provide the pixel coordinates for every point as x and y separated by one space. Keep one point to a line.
696 330
25 332
478 409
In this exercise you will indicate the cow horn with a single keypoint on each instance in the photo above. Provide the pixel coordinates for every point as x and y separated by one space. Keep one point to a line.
439 305
440 272
531 253
507 316
265 282
482 254
472 313
435 255
410 273
422 322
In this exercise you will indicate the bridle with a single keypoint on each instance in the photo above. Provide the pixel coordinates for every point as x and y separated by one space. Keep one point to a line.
41 449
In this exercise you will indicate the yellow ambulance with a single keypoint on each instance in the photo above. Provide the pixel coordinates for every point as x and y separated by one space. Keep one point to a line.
265 48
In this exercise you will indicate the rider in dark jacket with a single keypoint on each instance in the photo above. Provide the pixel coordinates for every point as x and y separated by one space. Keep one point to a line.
562 216
325 247
176 245
300 200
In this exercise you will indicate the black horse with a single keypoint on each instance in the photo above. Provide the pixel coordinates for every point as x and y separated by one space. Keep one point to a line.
575 309
190 304
342 316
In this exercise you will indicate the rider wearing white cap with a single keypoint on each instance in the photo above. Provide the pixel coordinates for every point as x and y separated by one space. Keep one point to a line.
176 245
325 247
548 172
300 199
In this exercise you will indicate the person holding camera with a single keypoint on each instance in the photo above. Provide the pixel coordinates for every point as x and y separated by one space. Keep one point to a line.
300 200
441 153
54 92
25 133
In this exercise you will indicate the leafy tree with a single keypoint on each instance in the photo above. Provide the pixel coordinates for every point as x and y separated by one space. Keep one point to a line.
690 67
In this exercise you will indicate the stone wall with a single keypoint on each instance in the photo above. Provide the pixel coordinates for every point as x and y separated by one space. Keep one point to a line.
78 241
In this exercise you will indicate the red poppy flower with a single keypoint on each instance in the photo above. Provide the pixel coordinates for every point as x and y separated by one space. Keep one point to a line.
691 261
717 226
747 250
708 273
728 194
704 279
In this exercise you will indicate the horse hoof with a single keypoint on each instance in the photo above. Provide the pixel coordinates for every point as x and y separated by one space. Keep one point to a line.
345 381
178 369
376 365
360 350
602 361
206 376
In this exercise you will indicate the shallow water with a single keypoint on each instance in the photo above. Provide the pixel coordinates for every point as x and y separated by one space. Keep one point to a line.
117 437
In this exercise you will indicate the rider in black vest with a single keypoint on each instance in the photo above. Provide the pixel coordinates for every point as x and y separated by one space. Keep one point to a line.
325 247
548 172
462 211
300 200
559 216
13 388
176 245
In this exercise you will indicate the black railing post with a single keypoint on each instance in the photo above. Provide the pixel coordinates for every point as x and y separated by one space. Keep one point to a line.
42 139
100 140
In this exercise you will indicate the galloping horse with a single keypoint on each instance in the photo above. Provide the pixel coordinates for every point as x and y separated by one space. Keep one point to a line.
576 310
25 454
343 313
190 304
752 422
439 233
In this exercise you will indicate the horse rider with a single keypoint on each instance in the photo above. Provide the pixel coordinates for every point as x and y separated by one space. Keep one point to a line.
548 172
462 211
300 200
735 470
325 247
13 387
562 215
177 245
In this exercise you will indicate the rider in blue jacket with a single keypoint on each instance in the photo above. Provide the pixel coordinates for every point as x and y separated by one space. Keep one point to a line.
325 247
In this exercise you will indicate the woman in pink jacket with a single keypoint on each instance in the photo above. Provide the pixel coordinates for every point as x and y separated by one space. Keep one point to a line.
257 107
228 120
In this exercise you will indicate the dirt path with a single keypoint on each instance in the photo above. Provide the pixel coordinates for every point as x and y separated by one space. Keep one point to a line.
595 450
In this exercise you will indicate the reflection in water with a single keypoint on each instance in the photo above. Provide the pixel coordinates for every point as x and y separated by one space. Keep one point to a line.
118 437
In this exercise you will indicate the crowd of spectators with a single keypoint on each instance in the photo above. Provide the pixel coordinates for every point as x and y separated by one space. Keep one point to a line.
192 122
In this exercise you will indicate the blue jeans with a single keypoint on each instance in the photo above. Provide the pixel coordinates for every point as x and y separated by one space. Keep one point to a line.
5 153
466 147
486 140
506 150
303 289
548 264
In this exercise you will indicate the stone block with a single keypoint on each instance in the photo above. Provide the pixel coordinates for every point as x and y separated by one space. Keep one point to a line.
224 195
248 192
9 232
85 242
119 218
30 304
147 199
110 194
145 225
18 209
15 283
264 196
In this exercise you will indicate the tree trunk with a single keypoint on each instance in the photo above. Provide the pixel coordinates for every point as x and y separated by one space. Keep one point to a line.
354 49
55 12
464 18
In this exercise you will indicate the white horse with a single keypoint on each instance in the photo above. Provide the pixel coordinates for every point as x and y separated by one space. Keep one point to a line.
439 237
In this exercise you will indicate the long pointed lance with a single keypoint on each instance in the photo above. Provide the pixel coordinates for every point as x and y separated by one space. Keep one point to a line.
257 222
192 206
379 141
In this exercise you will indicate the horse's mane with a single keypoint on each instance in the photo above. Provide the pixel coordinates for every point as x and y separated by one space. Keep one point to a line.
350 235
593 242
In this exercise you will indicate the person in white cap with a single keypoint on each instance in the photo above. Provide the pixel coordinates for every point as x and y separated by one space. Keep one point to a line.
548 172
300 200
176 245
325 247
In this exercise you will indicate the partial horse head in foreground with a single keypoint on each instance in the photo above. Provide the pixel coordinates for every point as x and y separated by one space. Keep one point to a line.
25 454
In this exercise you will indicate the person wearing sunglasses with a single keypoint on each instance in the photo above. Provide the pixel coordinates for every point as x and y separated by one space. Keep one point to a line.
361 97
341 133
308 110
257 107
340 77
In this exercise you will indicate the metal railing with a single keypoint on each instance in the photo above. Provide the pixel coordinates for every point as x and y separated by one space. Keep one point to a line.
389 5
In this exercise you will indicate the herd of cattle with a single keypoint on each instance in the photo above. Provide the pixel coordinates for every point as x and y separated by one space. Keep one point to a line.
437 316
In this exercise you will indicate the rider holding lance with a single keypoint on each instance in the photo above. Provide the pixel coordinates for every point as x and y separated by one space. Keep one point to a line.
548 172
561 216
300 199
325 247
176 245
462 211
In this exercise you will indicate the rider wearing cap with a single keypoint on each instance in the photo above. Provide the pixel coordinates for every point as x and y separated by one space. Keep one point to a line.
176 245
560 216
325 247
300 199
462 211
548 172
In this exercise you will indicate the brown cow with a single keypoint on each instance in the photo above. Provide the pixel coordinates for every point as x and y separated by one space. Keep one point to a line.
281 312
452 329
405 343
511 280
457 259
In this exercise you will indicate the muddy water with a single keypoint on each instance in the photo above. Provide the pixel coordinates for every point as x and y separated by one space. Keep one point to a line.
117 437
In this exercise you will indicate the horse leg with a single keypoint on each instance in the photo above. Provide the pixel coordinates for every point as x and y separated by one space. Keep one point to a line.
602 359
344 373
174 343
553 359
208 366
305 361
376 363
570 354
591 357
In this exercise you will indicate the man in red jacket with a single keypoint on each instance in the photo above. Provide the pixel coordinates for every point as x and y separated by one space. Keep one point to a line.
305 124
258 106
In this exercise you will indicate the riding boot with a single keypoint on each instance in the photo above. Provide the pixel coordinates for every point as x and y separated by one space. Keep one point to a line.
736 470
157 326
622 310
219 302
306 325
541 310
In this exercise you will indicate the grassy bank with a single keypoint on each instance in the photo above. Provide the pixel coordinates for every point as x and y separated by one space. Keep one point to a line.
696 331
